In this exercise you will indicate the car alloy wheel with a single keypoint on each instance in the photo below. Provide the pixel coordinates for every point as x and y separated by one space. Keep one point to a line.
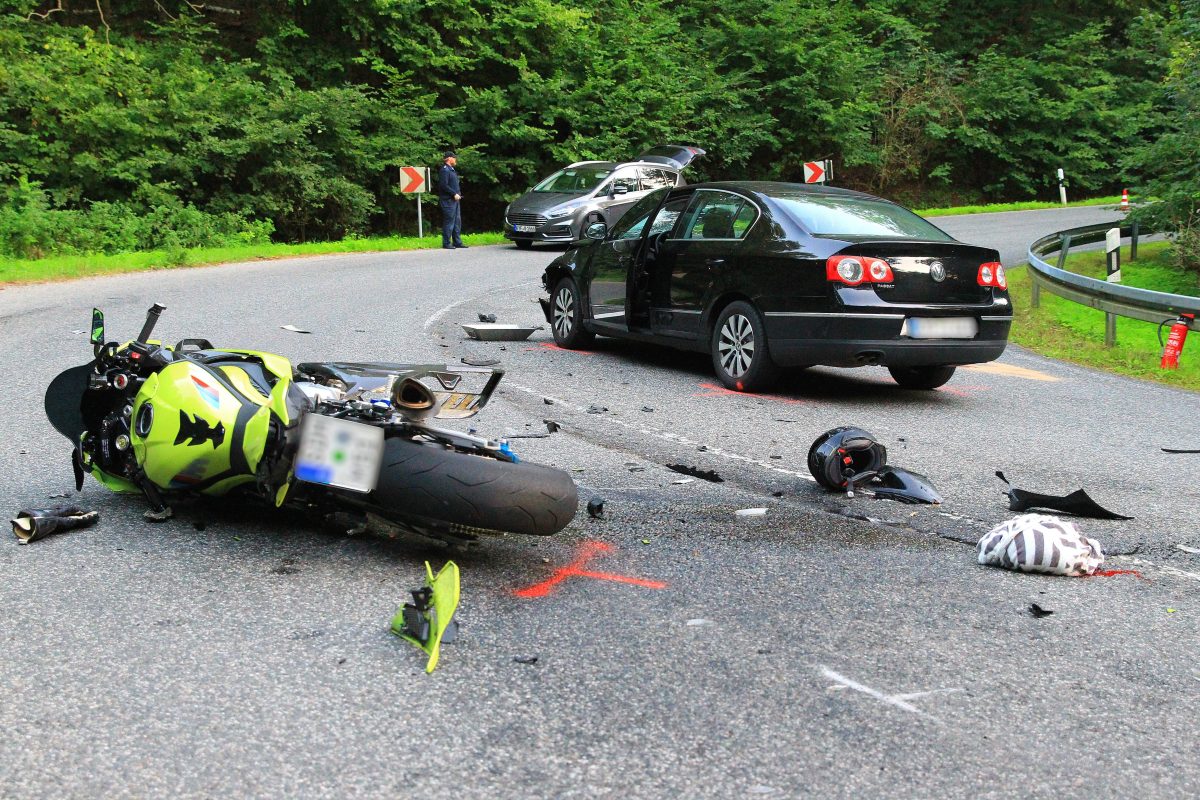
740 352
736 345
566 316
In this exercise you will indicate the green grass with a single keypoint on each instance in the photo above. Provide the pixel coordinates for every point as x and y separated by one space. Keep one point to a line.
1026 205
1072 332
16 271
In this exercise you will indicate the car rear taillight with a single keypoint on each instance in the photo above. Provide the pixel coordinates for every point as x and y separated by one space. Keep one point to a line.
853 270
992 274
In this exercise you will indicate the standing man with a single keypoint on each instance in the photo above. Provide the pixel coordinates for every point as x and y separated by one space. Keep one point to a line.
449 198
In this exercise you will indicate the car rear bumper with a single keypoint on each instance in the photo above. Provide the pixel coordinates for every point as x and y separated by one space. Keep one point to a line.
862 339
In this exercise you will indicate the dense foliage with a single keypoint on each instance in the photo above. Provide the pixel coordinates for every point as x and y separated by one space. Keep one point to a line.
137 123
1171 162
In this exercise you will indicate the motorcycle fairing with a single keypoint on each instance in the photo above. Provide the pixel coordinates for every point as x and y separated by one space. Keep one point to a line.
1077 502
893 483
374 381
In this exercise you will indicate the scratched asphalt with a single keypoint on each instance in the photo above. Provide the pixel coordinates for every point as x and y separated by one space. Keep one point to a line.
831 648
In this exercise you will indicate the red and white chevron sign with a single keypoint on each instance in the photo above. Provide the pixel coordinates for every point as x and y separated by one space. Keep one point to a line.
818 171
414 179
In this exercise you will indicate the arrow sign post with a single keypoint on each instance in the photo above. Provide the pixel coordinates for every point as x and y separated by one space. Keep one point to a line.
415 180
818 171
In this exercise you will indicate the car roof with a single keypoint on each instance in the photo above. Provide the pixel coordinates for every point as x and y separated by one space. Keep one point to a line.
771 188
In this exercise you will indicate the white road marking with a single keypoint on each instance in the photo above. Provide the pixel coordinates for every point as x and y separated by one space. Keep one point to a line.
441 312
897 700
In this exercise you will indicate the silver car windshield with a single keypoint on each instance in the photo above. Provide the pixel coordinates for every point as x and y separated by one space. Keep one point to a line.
574 180
833 216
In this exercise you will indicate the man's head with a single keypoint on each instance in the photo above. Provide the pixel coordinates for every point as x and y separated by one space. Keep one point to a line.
450 158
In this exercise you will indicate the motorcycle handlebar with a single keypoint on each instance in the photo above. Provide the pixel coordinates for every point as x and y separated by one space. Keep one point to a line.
151 320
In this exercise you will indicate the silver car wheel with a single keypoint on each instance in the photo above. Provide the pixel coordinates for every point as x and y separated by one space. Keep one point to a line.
564 312
736 345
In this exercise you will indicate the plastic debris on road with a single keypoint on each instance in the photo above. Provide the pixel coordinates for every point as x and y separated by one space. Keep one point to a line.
293 329
1040 543
709 475
1037 612
595 507
428 621
745 513
499 331
1077 503
32 524
487 317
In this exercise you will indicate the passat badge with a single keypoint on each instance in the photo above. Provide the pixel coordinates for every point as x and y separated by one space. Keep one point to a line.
937 271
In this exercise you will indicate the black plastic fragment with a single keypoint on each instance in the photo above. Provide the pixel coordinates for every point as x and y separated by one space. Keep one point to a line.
1037 612
479 362
709 475
595 507
525 659
1077 502
487 317
551 425
1173 450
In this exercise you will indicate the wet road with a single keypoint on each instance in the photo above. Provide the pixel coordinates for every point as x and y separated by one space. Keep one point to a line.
812 652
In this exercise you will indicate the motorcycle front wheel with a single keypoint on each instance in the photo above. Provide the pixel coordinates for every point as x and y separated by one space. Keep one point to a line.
427 481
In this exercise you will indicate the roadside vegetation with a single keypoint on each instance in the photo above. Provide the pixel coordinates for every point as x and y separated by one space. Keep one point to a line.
1072 332
1026 205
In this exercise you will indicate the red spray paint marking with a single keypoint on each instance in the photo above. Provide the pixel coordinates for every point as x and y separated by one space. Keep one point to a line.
1108 573
575 569
714 390
553 346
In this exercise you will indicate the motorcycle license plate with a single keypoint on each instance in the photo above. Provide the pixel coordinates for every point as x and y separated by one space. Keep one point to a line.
524 228
940 328
339 452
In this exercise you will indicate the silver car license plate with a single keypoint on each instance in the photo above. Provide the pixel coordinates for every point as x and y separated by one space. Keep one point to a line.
524 228
339 452
940 327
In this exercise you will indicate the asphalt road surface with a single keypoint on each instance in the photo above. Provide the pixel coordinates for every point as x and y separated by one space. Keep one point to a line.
833 648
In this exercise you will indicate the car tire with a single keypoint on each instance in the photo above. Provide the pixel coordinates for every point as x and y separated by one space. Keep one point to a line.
566 316
922 377
741 356
523 244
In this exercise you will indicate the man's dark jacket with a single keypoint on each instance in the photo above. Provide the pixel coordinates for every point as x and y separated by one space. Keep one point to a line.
447 183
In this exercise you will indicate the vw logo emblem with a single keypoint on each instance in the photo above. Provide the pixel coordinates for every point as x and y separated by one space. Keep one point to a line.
937 271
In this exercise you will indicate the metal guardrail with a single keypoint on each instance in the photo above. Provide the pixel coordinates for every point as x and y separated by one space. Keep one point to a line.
1113 299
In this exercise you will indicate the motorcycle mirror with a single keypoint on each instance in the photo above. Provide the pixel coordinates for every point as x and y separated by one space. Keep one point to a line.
97 327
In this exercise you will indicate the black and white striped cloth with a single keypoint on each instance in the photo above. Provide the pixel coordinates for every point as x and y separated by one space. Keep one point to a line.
1040 543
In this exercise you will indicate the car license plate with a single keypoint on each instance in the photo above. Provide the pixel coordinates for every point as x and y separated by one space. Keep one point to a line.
524 228
940 328
339 452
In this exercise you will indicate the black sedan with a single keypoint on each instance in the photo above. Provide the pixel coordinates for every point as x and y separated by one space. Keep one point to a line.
765 276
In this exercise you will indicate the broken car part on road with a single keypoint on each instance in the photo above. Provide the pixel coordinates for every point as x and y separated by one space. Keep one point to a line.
32 524
163 422
499 331
1077 502
1040 543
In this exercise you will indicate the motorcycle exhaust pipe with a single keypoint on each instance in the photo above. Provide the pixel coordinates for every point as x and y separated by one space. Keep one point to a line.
413 399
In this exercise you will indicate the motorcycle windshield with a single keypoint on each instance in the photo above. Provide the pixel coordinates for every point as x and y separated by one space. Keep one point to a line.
64 401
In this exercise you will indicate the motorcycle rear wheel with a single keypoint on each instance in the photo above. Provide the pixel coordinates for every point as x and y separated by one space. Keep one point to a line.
427 481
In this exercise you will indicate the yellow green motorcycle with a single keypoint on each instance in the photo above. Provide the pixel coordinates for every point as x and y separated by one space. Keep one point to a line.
160 421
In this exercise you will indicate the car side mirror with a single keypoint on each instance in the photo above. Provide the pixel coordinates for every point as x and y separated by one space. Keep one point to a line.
597 230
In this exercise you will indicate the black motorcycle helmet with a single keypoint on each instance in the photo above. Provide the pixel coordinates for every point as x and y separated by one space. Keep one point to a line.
842 453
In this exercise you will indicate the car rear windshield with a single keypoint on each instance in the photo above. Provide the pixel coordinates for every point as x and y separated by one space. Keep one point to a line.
857 217
574 180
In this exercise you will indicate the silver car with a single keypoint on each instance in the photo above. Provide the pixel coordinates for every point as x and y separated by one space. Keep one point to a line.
560 207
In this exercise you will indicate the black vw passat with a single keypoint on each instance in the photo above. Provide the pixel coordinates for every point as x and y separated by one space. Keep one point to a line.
765 276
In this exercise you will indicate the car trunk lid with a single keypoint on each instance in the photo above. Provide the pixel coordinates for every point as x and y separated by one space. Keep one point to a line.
913 265
673 155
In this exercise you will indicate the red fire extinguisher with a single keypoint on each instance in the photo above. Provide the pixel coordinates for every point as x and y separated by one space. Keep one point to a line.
1175 340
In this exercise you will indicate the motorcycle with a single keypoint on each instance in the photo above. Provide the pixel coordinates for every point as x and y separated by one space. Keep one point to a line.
164 422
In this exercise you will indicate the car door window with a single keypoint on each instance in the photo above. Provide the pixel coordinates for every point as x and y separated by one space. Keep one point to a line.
631 225
718 215
665 220
626 177
654 178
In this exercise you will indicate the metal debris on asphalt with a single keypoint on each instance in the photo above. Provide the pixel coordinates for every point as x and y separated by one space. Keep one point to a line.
472 361
32 524
500 331
751 512
293 329
683 481
595 507
703 474
1040 543
1077 502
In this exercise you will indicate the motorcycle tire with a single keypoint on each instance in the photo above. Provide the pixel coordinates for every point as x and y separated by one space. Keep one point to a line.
428 481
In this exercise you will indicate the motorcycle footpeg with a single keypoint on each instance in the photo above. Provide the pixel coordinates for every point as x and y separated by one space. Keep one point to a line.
32 524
